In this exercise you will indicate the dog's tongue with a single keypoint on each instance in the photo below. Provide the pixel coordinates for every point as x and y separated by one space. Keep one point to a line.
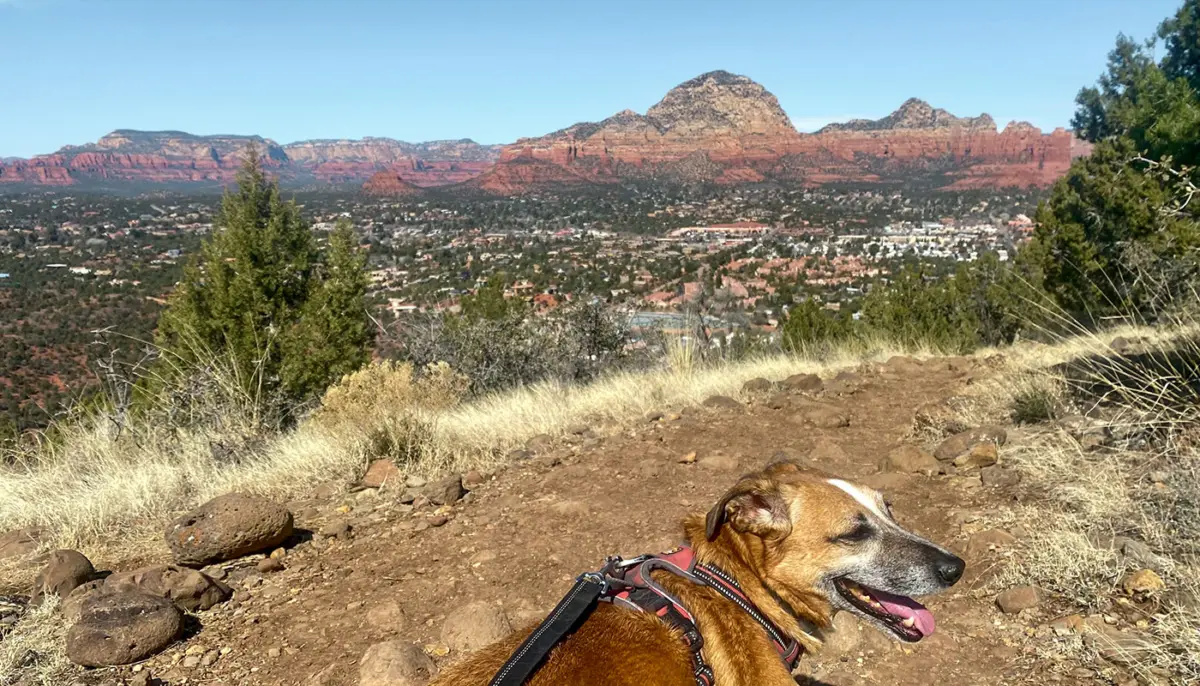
906 608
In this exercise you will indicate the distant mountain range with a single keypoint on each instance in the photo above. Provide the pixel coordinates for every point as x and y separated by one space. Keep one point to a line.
716 128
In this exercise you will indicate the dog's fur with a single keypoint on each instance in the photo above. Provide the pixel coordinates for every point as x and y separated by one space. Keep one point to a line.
786 534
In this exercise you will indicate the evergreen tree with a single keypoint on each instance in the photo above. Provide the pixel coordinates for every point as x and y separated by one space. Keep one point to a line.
335 335
1125 198
257 300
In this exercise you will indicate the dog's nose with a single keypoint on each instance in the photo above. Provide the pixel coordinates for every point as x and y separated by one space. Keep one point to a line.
950 568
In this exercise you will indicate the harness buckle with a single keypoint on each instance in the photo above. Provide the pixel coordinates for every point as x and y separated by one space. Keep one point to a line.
599 578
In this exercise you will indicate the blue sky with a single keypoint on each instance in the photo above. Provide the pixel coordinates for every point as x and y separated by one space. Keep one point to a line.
497 70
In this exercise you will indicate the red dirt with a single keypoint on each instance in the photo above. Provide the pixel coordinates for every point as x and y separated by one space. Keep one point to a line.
520 538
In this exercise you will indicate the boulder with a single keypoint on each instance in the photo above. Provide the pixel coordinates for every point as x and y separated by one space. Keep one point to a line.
395 663
122 628
805 383
228 527
445 491
962 442
721 402
72 606
475 626
189 589
381 472
64 571
910 459
759 385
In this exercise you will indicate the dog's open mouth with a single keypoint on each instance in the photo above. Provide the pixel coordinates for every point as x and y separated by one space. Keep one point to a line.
907 618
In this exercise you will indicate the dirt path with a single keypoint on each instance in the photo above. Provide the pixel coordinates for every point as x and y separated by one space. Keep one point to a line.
520 538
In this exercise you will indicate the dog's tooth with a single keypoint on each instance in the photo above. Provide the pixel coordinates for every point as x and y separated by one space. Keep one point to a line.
909 622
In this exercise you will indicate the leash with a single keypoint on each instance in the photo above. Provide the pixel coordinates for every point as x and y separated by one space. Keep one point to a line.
627 583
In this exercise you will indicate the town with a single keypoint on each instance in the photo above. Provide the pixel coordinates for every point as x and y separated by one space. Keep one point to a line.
74 265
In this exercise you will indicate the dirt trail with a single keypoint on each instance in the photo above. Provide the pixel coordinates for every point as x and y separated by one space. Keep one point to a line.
521 537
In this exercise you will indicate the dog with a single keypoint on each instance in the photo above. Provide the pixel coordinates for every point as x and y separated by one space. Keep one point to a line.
800 545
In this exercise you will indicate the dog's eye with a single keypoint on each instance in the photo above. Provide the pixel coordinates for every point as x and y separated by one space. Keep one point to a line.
862 531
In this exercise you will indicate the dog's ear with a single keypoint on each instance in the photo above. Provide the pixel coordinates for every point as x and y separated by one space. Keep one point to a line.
754 507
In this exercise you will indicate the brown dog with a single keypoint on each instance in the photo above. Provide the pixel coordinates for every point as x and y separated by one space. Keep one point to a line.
800 544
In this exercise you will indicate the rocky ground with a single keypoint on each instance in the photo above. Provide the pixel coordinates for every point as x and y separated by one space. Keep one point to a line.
367 574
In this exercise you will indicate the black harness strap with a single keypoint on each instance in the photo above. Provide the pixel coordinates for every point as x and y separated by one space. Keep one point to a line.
566 616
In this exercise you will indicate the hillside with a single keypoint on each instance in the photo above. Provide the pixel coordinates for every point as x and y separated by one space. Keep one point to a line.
716 128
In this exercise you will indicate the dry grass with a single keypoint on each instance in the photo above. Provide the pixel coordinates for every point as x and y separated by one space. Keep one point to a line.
34 651
91 484
1148 403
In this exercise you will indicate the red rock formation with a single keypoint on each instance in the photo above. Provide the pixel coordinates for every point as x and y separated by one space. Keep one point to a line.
390 183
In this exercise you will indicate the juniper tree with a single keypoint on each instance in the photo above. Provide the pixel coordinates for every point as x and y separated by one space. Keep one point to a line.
258 301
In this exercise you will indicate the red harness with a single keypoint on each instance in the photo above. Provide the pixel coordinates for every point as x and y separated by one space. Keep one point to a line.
628 583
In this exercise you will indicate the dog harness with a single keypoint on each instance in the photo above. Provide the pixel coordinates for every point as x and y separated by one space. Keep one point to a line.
628 584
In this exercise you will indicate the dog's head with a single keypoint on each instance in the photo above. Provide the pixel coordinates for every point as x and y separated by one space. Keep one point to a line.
808 535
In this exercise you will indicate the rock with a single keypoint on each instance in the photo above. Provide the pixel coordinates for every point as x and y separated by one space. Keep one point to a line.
436 520
1139 552
122 628
381 472
1142 582
395 663
475 626
962 442
999 476
778 401
825 418
473 479
64 572
141 678
689 458
718 463
1119 647
189 589
721 402
653 416
536 445
269 565
579 430
806 383
228 527
72 605
845 637
21 542
445 491
826 451
911 460
414 481
759 385
387 616
904 364
1019 598
980 455
337 528
518 455
1065 626
888 482
984 542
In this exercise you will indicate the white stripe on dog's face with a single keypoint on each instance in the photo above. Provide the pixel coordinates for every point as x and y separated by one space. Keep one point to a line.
865 499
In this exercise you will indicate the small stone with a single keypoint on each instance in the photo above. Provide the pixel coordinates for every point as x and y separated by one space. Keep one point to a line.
979 455
445 491
273 653
269 565
438 520
473 479
475 626
381 473
825 452
825 418
1143 582
689 458
1065 626
982 543
653 416
998 476
759 385
960 443
806 383
721 402
395 663
414 481
337 528
910 459
1019 598
718 463
387 616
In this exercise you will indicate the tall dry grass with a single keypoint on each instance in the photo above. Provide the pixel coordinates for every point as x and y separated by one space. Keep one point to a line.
1142 483
108 489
